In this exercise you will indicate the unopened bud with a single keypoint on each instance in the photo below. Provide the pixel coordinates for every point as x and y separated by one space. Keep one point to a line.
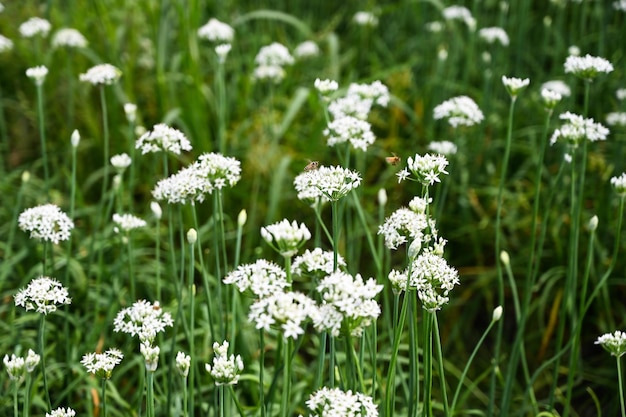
593 223
75 138
25 176
192 236
242 218
382 196
156 210
504 257
497 313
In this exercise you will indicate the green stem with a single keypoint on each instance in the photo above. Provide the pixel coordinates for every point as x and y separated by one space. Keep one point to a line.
320 361
29 388
368 234
42 137
335 219
15 386
103 387
288 347
220 391
205 275
131 275
105 130
150 395
237 404
442 379
42 320
621 386
261 372
331 363
185 398
221 107
413 357
428 364
192 318
216 248
390 386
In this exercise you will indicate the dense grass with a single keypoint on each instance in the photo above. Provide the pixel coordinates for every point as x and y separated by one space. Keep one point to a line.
275 131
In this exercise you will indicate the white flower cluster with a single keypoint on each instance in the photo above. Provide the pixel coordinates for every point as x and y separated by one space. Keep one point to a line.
619 184
6 44
183 363
163 138
127 222
426 168
102 364
331 183
216 31
614 343
620 93
70 38
493 35
514 85
18 367
42 295
150 354
350 129
316 263
225 369
37 74
363 18
211 171
143 319
462 13
444 147
587 67
35 26
577 129
286 238
61 412
101 74
287 310
325 87
406 225
359 100
121 161
459 111
550 98
270 61
263 278
222 51
306 49
620 5
333 402
433 278
616 119
557 86
347 302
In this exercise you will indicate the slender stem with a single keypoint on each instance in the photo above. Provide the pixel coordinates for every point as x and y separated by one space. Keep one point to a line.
103 387
621 386
185 398
205 275
288 347
105 130
221 106
390 386
237 404
335 216
157 253
331 363
150 396
42 321
321 360
44 264
15 386
413 358
29 388
220 391
131 259
216 248
428 364
42 136
442 379
261 372
368 235
192 349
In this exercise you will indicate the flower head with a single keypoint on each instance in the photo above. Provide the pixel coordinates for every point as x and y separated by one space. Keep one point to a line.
620 5
18 367
363 18
127 222
405 225
620 93
316 263
452 13
350 129
222 51
427 168
151 355
550 98
121 161
331 183
459 111
274 55
325 87
263 278
102 74
225 369
331 402
576 129
286 238
70 38
42 295
216 31
616 119
6 44
443 147
163 138
493 35
587 67
37 74
102 364
130 110
35 26
286 310
514 85
306 49
347 302
434 279
61 412
557 86
143 319
183 363
614 343
619 184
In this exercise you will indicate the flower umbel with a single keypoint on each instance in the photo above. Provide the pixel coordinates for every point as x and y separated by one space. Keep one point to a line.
37 74
163 138
619 184
263 278
428 168
61 412
331 402
514 85
102 74
289 310
587 67
316 263
102 364
577 129
143 319
46 222
127 222
225 369
459 111
18 367
286 238
614 343
42 295
183 363
151 355
332 183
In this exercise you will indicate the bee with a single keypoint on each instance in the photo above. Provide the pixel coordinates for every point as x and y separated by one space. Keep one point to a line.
156 306
393 160
312 166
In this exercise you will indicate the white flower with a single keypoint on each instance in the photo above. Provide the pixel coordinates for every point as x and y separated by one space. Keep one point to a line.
433 278
183 363
452 13
619 184
352 300
42 295
377 92
35 26
550 98
216 31
494 34
61 412
557 86
70 38
151 355
350 129
459 111
17 367
398 280
587 67
156 210
333 402
614 343
225 369
102 364
273 73
287 310
402 175
306 49
620 5
325 87
434 27
316 263
427 168
32 360
573 49
6 44
514 85
286 238
263 278
620 93
37 74
121 161
443 147
405 225
163 138
130 110
46 222
616 119
222 51
75 138
127 222
273 55
332 183
143 319
365 19
102 74
576 129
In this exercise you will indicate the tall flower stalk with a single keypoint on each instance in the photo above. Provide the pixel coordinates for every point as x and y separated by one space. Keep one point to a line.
38 74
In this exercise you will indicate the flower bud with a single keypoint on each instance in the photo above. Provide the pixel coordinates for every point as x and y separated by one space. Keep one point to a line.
504 257
242 218
593 223
156 210
75 138
497 313
192 236
382 197
25 176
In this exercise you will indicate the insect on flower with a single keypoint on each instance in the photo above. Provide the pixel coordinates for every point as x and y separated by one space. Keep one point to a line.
393 160
312 166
